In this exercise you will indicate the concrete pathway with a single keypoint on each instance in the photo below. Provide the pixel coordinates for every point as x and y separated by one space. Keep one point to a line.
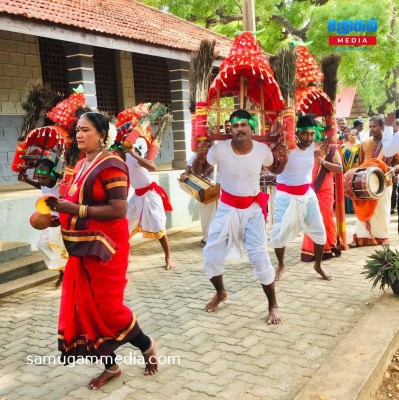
230 354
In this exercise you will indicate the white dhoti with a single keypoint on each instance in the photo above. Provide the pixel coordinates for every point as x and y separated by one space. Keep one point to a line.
206 214
146 214
230 231
52 247
294 214
378 225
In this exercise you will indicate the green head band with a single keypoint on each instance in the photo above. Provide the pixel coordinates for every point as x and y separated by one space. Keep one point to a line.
52 174
253 121
116 147
42 172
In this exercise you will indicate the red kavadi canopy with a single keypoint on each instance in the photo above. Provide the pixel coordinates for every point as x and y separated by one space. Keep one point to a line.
312 100
247 59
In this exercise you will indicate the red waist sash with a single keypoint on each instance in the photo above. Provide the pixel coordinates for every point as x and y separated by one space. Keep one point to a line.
245 201
160 190
297 190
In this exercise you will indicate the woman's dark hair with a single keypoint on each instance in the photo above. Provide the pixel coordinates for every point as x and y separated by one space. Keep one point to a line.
305 121
240 114
99 121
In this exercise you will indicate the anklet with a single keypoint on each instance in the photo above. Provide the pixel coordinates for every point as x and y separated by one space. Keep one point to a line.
114 371
149 349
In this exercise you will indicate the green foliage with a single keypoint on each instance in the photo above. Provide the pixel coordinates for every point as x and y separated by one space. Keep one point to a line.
382 268
371 70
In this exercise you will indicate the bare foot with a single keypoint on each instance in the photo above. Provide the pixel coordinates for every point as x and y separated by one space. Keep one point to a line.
279 271
150 358
102 379
273 316
216 300
169 264
324 274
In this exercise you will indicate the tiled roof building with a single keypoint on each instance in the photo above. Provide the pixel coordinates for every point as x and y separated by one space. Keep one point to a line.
122 52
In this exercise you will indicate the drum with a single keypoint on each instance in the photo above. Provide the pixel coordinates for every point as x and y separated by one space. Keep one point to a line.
202 189
267 179
364 183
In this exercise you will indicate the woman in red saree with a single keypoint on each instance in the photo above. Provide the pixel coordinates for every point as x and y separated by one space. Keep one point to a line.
327 163
93 319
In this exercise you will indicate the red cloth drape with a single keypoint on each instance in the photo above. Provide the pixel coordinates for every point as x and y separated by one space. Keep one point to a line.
93 319
325 196
160 190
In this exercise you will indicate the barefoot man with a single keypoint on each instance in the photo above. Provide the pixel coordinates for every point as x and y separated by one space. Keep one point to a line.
295 205
146 208
239 220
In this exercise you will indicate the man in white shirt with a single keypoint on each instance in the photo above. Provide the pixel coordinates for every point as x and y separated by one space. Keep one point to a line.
296 207
239 221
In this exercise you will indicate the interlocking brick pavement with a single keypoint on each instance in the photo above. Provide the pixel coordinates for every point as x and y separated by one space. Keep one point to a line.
229 354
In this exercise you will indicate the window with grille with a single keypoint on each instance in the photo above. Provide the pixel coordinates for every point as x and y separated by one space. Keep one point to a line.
151 80
104 61
54 65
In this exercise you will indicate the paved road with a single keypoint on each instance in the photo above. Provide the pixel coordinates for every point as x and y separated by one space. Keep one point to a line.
231 354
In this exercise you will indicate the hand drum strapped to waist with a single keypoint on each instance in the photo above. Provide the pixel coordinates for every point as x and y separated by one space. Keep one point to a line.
267 179
364 183
202 189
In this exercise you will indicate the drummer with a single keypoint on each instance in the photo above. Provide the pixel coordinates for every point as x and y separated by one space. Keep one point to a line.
50 243
296 207
372 223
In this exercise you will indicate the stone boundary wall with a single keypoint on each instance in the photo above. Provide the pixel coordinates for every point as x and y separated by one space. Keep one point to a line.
19 65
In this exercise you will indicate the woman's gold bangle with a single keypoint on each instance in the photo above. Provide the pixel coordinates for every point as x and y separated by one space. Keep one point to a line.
83 210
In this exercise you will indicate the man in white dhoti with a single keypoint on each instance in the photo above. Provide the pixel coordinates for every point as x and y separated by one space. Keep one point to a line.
239 221
372 222
147 206
50 244
296 208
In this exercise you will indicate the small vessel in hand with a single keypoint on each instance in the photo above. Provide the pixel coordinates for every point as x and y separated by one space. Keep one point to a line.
41 204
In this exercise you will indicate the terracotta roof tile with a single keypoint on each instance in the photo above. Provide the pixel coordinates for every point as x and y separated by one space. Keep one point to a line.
123 18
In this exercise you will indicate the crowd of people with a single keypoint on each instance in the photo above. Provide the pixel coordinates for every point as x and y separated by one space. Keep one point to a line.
97 220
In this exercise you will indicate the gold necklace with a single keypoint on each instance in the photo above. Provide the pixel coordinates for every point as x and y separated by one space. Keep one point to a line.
74 187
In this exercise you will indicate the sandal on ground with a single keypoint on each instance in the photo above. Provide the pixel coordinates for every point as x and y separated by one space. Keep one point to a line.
150 358
98 382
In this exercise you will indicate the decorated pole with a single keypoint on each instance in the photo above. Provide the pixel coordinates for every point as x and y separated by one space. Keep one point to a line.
330 65
201 72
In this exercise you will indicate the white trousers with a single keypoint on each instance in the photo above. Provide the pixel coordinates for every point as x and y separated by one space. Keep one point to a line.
147 213
206 214
230 231
294 214
52 247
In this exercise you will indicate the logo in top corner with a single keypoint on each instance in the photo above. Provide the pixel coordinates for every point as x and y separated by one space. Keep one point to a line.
345 27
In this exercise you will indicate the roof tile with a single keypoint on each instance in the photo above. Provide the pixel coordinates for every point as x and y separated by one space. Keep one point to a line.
122 18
